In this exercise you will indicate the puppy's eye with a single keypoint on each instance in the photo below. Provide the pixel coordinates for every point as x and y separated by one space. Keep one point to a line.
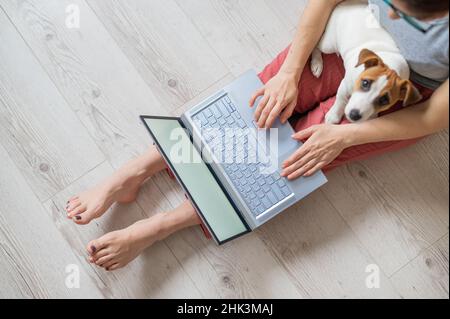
384 100
365 85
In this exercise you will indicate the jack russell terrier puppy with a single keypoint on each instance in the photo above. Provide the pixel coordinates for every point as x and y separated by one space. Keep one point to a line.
372 60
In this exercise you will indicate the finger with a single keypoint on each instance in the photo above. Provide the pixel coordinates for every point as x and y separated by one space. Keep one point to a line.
297 165
274 115
265 113
303 170
287 113
261 106
315 169
304 134
302 151
257 94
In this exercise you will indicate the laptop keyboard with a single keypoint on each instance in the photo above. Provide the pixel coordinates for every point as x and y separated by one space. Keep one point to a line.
260 191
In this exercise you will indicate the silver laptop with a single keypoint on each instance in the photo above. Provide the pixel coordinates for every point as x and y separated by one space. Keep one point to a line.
229 169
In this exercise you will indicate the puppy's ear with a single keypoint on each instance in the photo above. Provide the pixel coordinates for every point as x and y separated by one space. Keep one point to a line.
409 94
369 59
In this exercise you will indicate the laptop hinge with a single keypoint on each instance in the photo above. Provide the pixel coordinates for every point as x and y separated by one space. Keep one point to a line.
204 153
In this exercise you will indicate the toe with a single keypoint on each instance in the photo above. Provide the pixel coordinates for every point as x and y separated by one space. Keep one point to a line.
80 219
107 265
96 245
113 267
106 260
77 211
84 217
73 205
100 254
72 199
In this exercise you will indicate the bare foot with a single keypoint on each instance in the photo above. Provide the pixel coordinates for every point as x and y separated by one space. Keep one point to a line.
91 204
121 187
116 249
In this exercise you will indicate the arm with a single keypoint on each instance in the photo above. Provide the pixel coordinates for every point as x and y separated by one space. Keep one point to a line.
324 143
281 92
309 31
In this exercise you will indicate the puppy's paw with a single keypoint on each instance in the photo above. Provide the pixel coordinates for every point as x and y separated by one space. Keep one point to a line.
332 118
316 68
316 63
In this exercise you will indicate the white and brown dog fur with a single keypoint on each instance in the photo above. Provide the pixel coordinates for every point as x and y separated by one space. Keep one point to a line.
376 73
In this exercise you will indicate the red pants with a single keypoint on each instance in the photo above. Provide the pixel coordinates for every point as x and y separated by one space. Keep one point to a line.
317 96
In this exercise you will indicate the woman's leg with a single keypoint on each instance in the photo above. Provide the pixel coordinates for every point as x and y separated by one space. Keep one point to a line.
312 90
116 249
122 187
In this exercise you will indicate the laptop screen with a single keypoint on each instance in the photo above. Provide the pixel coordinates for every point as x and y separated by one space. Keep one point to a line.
215 207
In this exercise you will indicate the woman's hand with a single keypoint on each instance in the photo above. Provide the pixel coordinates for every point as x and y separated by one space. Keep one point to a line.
279 98
324 143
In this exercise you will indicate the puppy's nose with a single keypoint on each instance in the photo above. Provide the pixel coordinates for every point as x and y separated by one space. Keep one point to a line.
355 115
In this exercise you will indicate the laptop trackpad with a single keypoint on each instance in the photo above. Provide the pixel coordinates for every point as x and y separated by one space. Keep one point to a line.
302 186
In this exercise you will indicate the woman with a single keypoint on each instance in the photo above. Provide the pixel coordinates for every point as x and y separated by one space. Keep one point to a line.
420 28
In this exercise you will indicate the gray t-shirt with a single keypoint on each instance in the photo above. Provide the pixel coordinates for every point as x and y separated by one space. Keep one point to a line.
427 54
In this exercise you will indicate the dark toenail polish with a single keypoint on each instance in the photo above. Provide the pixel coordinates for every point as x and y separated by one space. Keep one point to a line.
78 217
93 249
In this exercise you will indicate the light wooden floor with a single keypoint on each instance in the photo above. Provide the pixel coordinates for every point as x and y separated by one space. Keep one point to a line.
69 106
